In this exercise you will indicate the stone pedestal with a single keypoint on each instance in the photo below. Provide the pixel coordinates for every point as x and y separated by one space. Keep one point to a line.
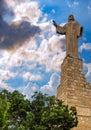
75 91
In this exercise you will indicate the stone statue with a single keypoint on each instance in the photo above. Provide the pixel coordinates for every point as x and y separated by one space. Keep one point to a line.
73 31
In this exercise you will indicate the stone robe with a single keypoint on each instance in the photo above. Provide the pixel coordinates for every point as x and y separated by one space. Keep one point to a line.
72 30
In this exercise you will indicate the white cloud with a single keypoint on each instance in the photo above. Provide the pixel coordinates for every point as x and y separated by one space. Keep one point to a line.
46 26
52 85
31 77
6 74
72 4
29 89
49 88
57 43
52 52
88 67
10 3
4 59
5 86
28 10
23 10
85 46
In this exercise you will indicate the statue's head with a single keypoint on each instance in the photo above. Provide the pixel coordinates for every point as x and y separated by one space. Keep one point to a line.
71 18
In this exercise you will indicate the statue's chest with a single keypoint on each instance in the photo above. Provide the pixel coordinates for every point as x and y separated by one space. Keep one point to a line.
71 29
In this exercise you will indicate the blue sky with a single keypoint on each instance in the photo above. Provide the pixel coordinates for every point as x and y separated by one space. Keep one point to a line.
31 53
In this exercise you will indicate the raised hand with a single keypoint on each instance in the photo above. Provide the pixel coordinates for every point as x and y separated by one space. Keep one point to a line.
54 23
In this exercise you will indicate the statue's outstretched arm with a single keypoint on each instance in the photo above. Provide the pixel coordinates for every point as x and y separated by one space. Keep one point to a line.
54 23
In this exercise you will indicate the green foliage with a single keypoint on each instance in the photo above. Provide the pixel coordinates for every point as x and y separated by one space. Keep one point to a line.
42 113
58 116
39 127
4 107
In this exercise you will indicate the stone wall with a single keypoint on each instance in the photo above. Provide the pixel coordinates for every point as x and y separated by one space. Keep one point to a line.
75 91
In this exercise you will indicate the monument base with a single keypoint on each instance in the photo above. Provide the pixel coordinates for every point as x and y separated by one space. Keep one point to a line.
75 91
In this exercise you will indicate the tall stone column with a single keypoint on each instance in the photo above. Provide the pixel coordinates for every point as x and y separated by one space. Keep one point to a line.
75 91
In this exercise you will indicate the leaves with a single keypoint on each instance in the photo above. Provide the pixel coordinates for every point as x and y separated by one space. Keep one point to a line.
4 107
43 112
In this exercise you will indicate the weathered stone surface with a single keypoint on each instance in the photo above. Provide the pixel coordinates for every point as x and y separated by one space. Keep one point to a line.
75 91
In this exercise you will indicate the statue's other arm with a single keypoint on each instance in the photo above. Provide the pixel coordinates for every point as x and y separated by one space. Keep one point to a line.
59 29
81 31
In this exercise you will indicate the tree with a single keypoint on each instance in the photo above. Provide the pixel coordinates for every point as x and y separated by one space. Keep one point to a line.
14 110
42 113
58 116
19 109
51 113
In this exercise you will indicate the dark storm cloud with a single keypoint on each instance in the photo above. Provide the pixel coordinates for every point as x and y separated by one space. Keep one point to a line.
5 9
15 35
12 36
2 9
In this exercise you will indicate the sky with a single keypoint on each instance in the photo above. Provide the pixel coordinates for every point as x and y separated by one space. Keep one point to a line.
31 52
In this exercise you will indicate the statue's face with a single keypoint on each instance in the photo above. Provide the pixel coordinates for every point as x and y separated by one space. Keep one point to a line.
71 18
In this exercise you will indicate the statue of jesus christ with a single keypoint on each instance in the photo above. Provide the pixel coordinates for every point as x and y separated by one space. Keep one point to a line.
73 31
